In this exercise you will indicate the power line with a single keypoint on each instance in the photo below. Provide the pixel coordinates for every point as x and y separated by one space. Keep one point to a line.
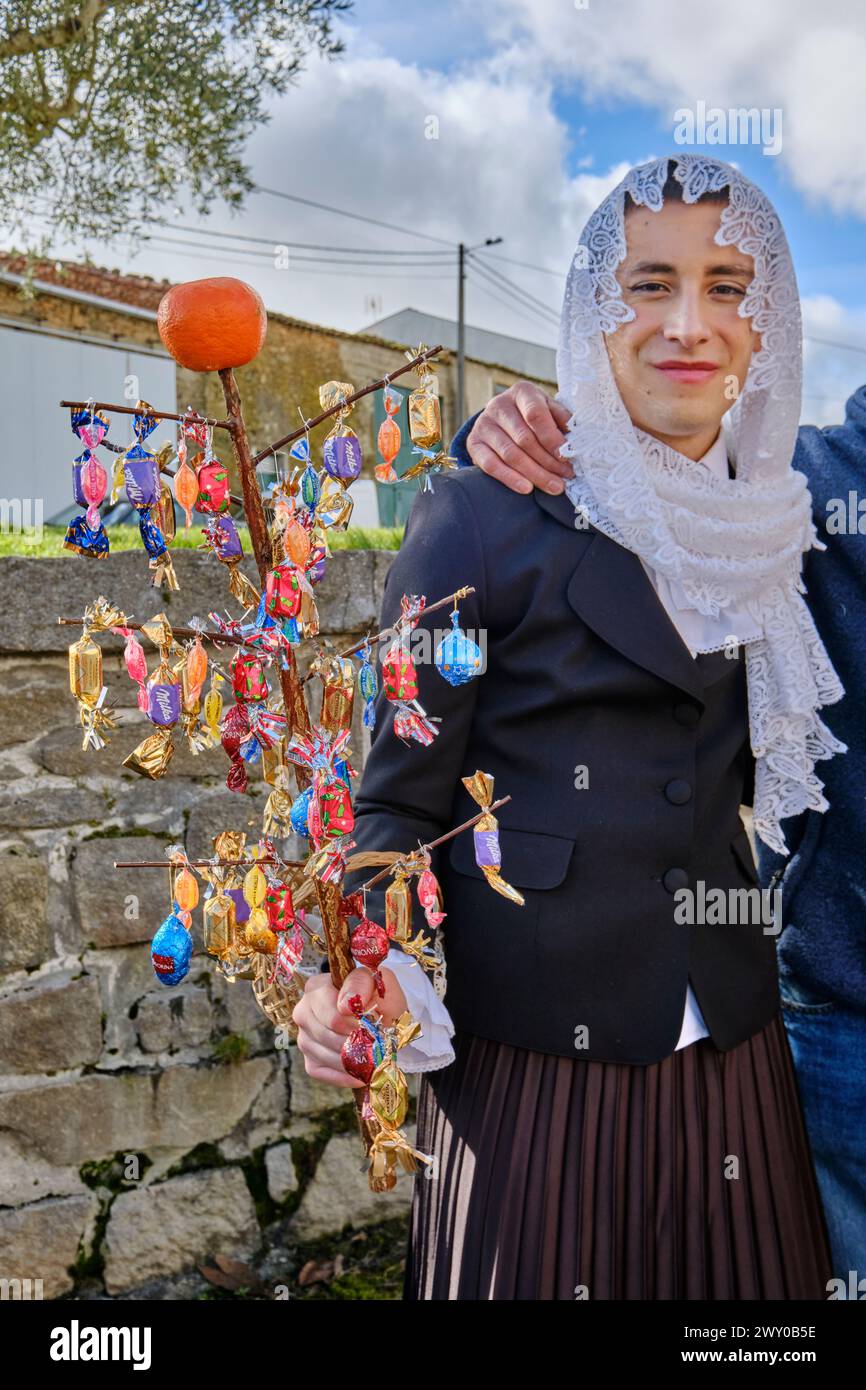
520 310
358 273
356 216
315 260
524 300
298 245
515 288
527 265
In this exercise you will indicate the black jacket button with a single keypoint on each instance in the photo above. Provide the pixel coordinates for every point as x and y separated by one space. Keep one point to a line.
678 792
687 714
675 879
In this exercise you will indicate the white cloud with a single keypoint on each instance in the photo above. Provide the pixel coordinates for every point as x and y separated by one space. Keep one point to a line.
805 59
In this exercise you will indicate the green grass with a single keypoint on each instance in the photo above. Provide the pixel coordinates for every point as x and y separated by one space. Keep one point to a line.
50 543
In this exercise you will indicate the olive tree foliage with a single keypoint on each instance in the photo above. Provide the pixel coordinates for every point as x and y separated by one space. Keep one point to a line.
110 108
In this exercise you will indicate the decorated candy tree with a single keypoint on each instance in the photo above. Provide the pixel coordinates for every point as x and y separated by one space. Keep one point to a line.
256 901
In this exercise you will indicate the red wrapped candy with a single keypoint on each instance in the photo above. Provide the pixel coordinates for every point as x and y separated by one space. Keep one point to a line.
248 677
330 813
235 730
279 907
399 678
283 592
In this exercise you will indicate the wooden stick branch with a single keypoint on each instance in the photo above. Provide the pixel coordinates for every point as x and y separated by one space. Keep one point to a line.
157 414
449 835
350 400
215 637
389 631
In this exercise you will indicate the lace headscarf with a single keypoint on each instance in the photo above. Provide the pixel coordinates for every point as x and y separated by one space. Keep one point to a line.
725 544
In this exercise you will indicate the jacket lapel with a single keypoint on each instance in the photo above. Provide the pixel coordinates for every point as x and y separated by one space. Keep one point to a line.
611 592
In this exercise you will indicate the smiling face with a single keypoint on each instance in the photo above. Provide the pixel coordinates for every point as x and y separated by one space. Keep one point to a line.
683 359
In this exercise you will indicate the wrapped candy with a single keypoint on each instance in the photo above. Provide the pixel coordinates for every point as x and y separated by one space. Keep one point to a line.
294 536
185 889
86 534
85 682
363 1051
389 437
219 924
290 950
301 811
329 812
214 495
165 518
335 505
221 535
368 686
185 480
171 951
370 946
457 657
213 705
399 678
144 489
398 908
430 898
342 447
488 855
338 692
136 663
279 907
196 668
283 590
234 732
248 677
152 756
163 696
277 818
429 461
425 422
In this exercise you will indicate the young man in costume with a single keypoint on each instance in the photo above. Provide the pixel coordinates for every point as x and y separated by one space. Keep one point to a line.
822 958
609 1096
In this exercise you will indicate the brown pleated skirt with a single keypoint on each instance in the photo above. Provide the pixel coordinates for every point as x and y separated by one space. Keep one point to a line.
556 1178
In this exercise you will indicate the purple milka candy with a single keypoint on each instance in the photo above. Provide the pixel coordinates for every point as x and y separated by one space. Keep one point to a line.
242 907
228 544
141 477
487 852
342 456
163 703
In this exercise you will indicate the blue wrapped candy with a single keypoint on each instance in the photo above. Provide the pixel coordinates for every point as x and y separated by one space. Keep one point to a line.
300 812
86 540
457 657
171 951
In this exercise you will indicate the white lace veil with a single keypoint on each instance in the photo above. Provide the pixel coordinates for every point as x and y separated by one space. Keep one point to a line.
726 544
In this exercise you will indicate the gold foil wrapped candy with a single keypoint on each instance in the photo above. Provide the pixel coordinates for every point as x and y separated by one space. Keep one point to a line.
338 692
220 925
85 669
398 908
425 420
486 834
152 756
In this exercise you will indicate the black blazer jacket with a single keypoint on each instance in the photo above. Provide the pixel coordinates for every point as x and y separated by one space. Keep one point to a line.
584 670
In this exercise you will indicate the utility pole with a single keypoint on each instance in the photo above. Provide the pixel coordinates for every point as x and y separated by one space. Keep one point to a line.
461 336
462 252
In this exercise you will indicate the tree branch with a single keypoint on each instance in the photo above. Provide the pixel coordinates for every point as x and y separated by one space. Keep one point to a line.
21 41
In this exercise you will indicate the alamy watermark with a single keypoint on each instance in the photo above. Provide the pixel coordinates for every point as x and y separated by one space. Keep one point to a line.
718 907
739 125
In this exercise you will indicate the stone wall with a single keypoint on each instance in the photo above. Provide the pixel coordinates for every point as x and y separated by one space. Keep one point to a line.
144 1131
